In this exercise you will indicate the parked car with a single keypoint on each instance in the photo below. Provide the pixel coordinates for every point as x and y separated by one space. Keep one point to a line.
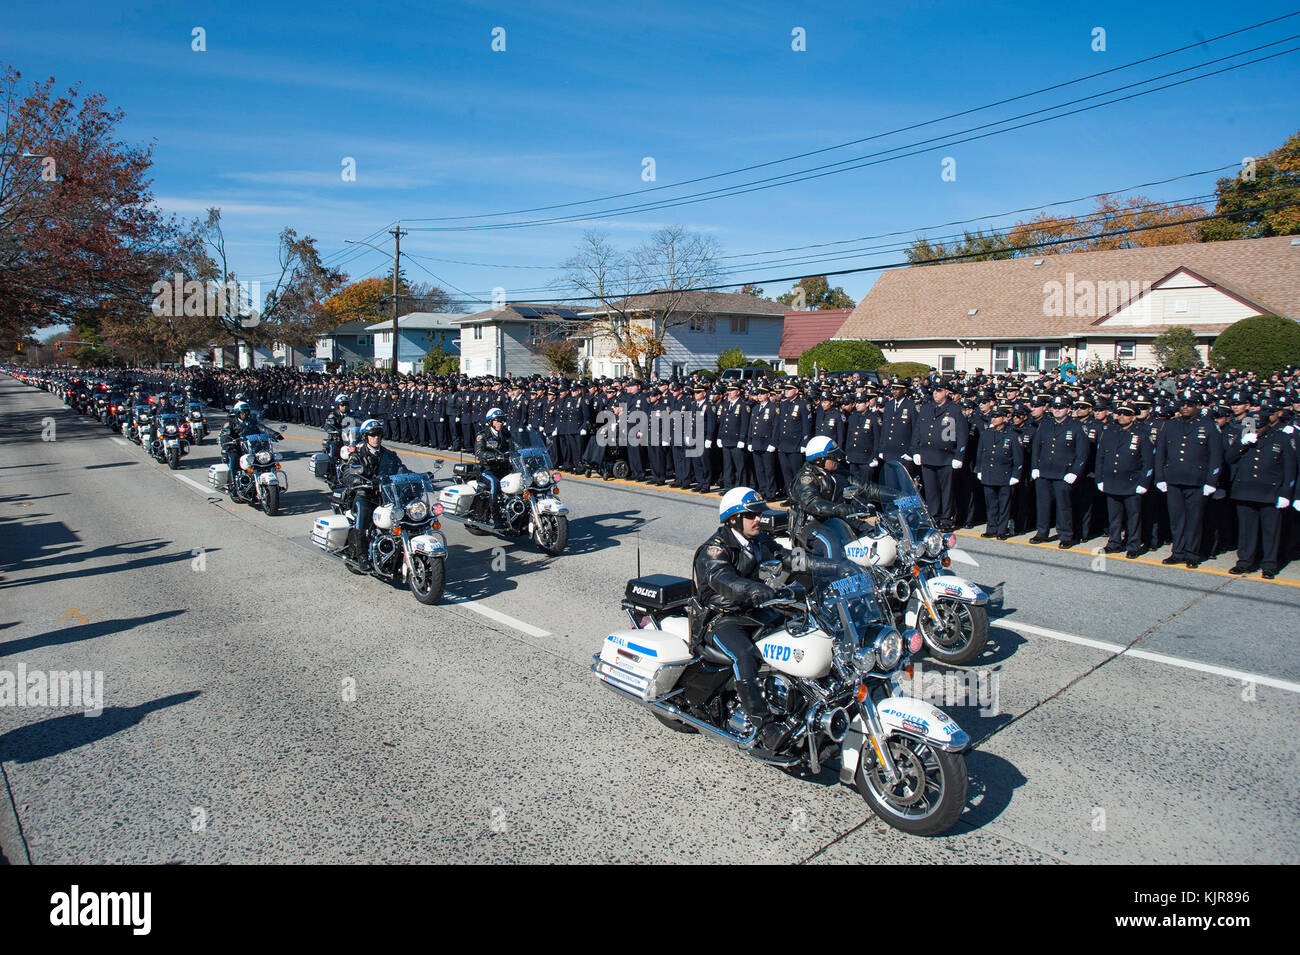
749 373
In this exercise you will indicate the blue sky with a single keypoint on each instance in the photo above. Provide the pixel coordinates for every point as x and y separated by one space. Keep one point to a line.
441 125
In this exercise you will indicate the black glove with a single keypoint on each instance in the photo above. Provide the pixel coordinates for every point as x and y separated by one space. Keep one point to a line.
844 509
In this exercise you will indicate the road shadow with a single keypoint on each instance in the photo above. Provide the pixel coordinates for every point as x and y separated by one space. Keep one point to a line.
73 557
596 532
478 574
60 734
111 464
108 569
84 631
993 781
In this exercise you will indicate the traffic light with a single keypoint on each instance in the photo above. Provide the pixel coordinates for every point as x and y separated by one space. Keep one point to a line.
60 346
20 348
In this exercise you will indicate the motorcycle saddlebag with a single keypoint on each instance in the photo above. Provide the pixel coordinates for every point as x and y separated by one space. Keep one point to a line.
330 533
218 475
774 521
320 465
659 592
457 499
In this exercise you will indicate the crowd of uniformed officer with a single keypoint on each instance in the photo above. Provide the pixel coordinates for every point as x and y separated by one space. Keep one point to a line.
1205 462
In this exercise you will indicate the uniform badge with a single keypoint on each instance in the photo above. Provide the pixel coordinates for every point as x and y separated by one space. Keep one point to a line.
806 479
715 550
798 656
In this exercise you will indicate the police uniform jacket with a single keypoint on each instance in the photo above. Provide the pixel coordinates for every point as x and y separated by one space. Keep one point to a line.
1124 460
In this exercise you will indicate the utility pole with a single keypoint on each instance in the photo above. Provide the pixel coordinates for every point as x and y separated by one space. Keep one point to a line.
397 234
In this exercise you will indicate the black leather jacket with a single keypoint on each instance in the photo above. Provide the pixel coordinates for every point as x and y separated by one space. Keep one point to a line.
492 447
816 494
334 424
366 466
726 574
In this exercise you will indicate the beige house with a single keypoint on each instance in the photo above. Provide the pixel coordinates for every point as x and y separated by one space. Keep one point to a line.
1026 314
497 341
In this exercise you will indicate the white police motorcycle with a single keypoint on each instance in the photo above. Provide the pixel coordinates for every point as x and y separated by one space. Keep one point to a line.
832 670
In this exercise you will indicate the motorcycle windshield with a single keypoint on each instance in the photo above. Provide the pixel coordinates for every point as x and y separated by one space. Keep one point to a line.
258 443
402 489
907 512
166 421
195 409
351 434
529 452
845 601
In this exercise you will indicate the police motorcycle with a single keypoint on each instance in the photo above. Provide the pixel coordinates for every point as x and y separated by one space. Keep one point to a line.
896 542
404 540
832 671
259 477
198 421
169 439
115 410
526 498
140 424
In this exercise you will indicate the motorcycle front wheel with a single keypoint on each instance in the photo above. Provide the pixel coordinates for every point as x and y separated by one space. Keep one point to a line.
552 533
272 503
930 794
962 632
173 458
427 578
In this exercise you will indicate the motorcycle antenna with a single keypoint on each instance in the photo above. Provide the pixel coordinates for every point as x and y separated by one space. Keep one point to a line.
638 553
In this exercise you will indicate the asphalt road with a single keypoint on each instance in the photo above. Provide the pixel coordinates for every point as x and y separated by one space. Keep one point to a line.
1142 713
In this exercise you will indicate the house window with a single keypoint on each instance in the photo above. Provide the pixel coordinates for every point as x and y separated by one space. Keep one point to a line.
534 330
1025 359
739 324
478 333
703 323
679 371
947 363
620 369
1126 351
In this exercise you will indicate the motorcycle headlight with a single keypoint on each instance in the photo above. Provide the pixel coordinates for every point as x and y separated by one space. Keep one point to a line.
933 544
889 648
171 429
417 511
864 660
541 477
262 457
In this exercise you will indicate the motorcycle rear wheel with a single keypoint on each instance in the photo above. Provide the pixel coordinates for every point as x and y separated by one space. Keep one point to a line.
949 646
931 795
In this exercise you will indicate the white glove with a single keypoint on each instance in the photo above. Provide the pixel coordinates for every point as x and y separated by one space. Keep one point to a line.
1282 502
1015 481
874 462
956 465
665 444
1033 475
1296 504
741 444
555 432
1101 486
979 475
750 447
1249 437
771 448
583 431
1070 478
916 459
1207 489
1162 487
708 442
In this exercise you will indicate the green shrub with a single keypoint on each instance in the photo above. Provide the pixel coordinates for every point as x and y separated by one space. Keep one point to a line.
904 369
844 355
1175 349
1262 344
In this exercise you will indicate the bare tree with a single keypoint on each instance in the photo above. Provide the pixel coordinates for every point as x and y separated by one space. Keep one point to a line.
640 295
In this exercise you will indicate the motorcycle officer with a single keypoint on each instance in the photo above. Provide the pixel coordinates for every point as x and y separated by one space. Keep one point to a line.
725 571
818 490
334 425
371 463
239 424
492 448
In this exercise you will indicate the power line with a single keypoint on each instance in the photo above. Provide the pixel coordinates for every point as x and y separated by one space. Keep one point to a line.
856 142
818 172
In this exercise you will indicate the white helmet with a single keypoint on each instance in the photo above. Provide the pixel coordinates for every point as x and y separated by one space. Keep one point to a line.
740 500
821 447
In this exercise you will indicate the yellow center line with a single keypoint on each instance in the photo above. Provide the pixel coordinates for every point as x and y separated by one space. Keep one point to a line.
1137 560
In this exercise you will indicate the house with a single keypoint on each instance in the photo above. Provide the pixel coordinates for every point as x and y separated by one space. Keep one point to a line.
418 334
1025 314
705 325
500 341
346 345
803 330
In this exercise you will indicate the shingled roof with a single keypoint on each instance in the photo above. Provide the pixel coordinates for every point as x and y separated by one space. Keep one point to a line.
717 303
803 330
934 301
